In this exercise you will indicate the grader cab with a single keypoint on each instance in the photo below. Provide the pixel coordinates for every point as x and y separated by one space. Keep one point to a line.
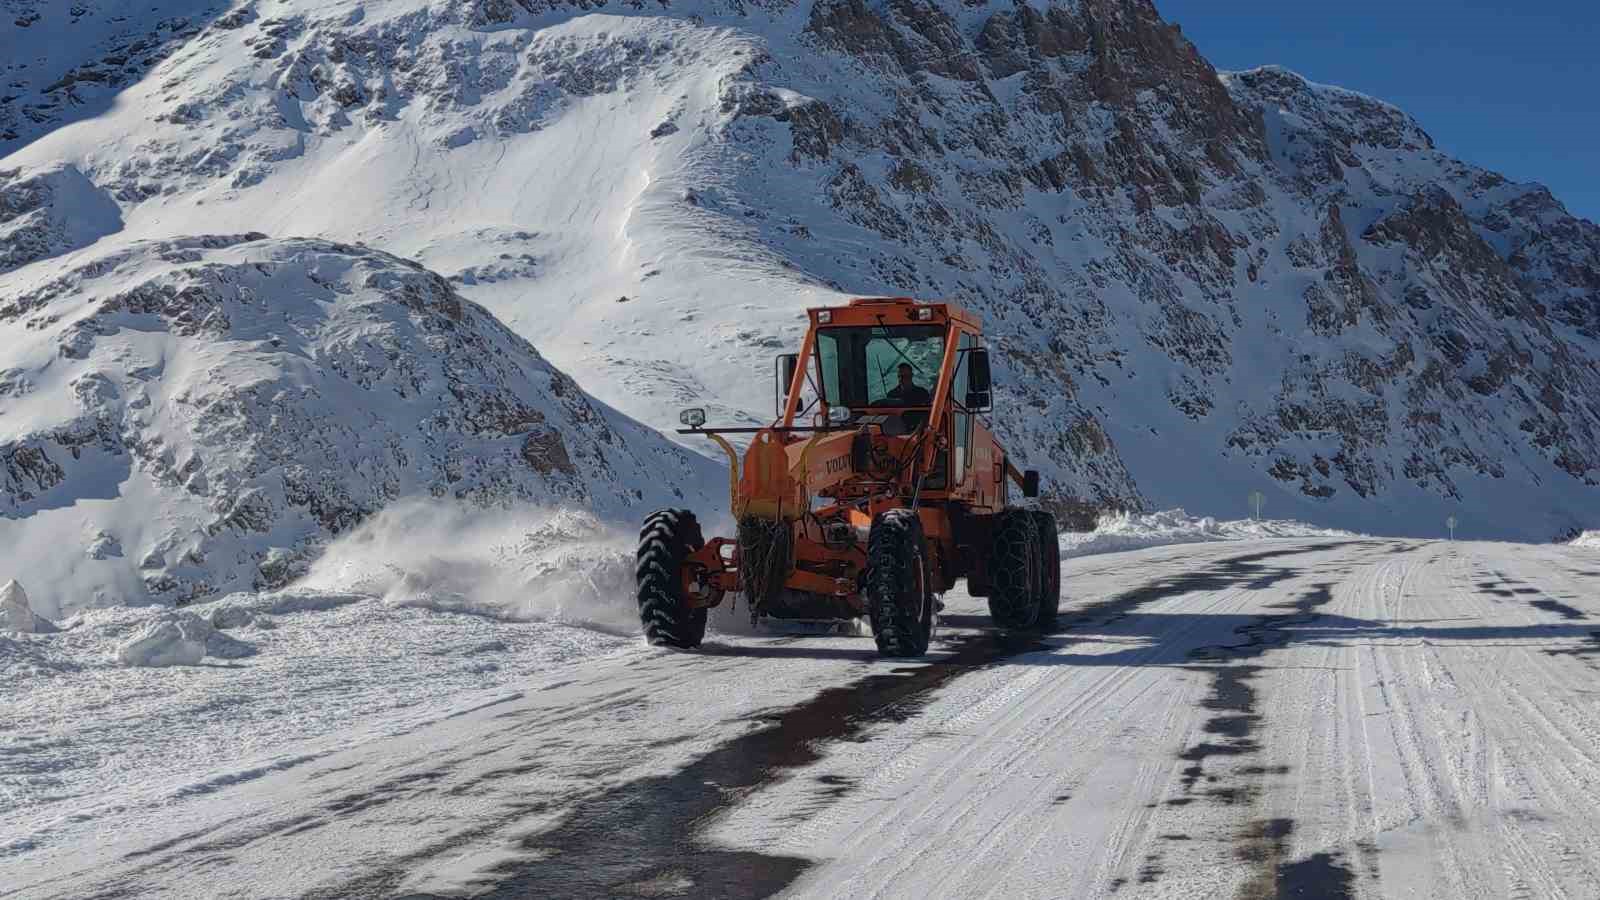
876 487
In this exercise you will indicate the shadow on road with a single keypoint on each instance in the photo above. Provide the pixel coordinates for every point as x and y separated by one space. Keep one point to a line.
1117 620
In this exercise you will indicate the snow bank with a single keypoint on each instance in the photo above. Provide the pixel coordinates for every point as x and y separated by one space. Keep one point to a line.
1589 539
16 615
515 565
245 608
179 639
128 708
1126 531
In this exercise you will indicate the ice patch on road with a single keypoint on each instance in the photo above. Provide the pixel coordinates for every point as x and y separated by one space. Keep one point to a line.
1129 531
524 565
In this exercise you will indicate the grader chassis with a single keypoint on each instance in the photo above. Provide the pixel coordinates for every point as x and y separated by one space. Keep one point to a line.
892 491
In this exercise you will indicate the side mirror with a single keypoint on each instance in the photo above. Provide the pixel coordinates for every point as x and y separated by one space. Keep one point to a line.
692 418
786 366
979 381
1030 483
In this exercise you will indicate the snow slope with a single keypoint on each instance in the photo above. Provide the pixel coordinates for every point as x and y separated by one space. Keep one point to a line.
195 416
1287 717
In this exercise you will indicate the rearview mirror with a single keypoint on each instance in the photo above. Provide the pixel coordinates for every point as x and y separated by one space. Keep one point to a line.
1030 483
692 418
979 387
786 366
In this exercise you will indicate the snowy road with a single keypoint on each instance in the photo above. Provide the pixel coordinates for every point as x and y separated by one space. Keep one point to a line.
1356 718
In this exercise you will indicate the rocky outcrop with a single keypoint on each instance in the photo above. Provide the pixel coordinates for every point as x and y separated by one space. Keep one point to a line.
67 61
48 212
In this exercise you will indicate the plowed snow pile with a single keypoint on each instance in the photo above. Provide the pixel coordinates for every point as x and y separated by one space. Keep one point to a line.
1590 539
530 566
422 612
1174 526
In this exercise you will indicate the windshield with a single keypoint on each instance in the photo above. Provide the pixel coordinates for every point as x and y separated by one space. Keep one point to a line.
880 365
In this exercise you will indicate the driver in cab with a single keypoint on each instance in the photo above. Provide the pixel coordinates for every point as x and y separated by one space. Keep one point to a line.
908 392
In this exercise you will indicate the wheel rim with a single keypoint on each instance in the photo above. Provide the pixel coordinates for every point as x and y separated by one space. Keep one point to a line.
919 585
922 609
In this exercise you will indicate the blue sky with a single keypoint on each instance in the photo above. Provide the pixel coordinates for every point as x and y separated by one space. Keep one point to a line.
1513 87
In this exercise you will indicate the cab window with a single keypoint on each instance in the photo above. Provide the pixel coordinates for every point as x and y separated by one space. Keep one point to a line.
861 365
962 420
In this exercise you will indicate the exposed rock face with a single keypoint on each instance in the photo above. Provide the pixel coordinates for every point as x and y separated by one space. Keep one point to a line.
1196 285
1081 168
1447 331
1463 314
67 61
49 212
246 399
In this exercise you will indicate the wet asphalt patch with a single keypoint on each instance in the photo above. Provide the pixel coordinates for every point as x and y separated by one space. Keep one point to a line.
1321 876
1231 734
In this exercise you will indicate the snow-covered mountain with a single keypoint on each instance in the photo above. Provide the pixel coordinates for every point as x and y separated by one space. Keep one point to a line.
198 415
1197 285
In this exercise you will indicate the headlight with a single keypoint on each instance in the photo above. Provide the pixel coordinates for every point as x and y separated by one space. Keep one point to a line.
824 317
692 418
838 415
925 314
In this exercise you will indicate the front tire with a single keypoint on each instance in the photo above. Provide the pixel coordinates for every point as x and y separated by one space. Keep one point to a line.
899 602
665 542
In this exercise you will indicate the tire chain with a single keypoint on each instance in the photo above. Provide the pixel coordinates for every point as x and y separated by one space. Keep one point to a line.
893 542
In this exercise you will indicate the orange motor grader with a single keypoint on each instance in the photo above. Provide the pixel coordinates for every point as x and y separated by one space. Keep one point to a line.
876 487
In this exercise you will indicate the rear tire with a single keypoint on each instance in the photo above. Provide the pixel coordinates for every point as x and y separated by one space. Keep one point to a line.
665 542
899 602
1049 570
1015 594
